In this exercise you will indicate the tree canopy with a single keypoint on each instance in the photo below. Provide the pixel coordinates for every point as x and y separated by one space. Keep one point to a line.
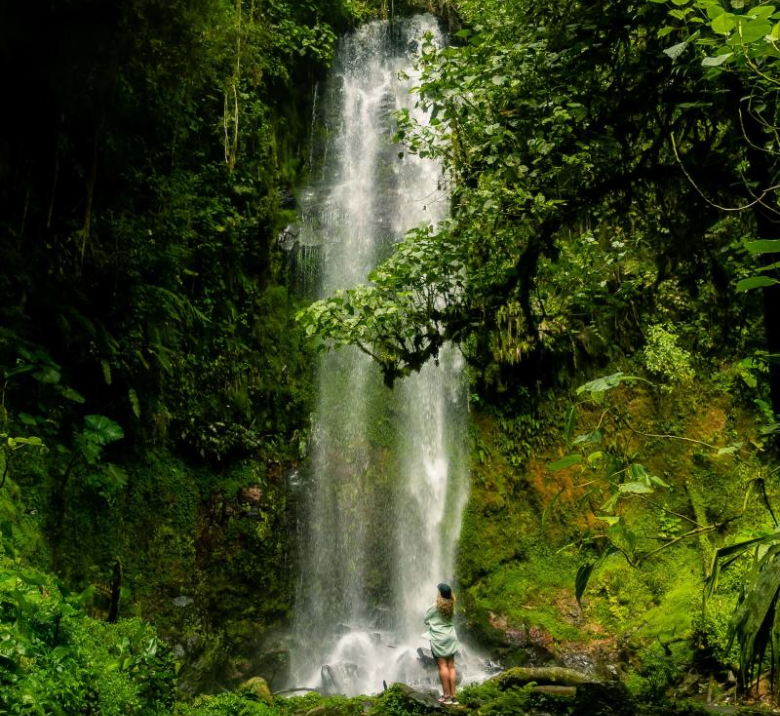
590 164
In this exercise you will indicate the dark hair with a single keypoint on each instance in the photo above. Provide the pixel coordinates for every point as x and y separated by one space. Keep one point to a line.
445 590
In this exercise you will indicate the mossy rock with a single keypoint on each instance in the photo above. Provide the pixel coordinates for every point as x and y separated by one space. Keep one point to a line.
403 699
258 688
520 676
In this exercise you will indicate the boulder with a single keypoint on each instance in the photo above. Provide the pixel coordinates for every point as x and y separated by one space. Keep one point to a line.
416 701
257 687
595 698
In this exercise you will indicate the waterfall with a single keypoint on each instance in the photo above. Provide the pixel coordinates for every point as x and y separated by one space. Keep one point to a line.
381 503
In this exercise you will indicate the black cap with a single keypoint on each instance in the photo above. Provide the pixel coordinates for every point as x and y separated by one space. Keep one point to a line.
445 590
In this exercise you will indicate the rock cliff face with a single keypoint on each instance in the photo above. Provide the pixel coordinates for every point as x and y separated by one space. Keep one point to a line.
529 529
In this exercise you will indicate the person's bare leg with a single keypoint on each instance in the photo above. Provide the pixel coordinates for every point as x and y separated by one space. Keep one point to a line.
452 676
444 676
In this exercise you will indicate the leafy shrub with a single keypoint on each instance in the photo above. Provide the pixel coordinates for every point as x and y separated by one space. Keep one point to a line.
224 705
664 357
57 660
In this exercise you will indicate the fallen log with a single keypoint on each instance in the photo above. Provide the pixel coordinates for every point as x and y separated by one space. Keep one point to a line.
554 675
565 692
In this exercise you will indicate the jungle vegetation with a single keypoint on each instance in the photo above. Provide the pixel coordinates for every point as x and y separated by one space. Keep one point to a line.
609 271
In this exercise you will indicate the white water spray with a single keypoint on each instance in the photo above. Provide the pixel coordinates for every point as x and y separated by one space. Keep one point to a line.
382 504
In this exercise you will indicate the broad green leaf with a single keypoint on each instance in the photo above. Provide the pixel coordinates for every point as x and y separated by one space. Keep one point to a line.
716 61
676 50
102 430
565 462
48 375
609 505
747 284
106 371
635 488
599 385
594 436
581 580
32 440
763 246
73 395
134 402
762 12
730 450
755 30
723 24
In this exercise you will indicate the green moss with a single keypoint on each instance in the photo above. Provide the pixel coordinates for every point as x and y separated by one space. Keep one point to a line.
646 602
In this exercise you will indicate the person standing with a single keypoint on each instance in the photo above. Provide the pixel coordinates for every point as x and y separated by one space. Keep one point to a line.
444 640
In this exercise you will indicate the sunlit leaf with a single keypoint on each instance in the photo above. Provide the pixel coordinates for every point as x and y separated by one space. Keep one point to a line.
763 246
635 488
565 462
581 580
747 284
716 61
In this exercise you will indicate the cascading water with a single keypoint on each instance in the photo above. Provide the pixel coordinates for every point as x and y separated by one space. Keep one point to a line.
382 504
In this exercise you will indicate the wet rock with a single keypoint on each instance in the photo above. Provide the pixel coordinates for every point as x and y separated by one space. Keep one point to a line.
337 677
257 688
272 659
425 658
584 663
417 701
287 199
520 645
183 601
289 237
341 629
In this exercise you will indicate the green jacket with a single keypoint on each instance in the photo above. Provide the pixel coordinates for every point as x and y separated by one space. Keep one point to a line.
441 632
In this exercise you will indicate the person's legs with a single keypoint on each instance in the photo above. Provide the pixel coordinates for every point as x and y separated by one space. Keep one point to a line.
451 675
444 676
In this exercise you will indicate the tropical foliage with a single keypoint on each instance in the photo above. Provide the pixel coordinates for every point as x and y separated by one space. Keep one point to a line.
587 170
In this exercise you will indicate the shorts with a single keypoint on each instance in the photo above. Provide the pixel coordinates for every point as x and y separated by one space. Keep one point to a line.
436 655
